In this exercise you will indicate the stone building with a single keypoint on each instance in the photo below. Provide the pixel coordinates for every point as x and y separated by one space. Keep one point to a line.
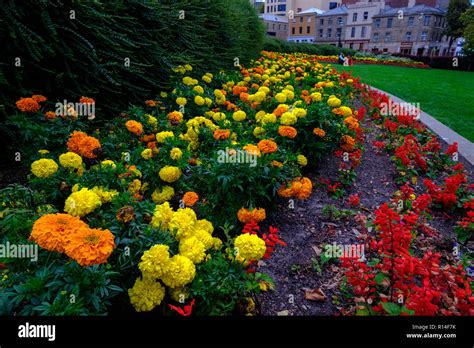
302 28
416 30
330 26
292 7
275 26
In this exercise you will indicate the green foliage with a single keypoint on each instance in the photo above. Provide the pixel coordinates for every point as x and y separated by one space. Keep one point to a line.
467 20
277 45
454 25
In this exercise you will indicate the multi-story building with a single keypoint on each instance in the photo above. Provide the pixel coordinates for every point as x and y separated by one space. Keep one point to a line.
416 30
302 28
330 26
259 5
359 23
276 26
290 8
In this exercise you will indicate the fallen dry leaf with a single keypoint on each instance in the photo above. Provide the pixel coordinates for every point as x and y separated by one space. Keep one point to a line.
314 295
283 313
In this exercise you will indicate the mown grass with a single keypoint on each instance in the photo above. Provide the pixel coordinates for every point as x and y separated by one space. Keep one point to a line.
447 95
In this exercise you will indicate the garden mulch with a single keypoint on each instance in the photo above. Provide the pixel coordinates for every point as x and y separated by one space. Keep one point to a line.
297 267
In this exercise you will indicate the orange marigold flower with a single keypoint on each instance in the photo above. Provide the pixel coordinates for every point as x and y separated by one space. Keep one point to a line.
190 198
221 134
50 115
347 143
276 164
252 150
90 246
151 103
300 188
27 105
147 138
267 146
351 123
125 214
39 98
280 110
287 131
52 231
175 117
86 100
82 144
246 216
134 127
319 132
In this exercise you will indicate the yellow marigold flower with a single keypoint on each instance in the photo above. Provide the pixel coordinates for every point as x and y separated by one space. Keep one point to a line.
176 153
216 243
161 136
105 196
280 97
43 152
44 168
162 196
207 79
82 202
288 119
204 225
350 81
147 154
346 111
70 160
334 102
258 131
134 186
204 237
134 127
181 101
90 246
198 100
154 261
316 96
239 116
108 163
302 160
146 294
198 89
180 271
182 224
170 173
193 249
268 118
250 246
299 112
162 216
218 116
52 231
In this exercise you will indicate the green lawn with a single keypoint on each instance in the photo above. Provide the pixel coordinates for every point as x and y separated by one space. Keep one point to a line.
446 95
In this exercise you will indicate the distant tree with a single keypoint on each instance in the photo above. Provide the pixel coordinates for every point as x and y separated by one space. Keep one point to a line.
467 20
454 28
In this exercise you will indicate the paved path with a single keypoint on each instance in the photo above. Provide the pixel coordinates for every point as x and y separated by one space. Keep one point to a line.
465 147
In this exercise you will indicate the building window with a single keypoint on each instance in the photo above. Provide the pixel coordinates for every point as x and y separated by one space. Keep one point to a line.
268 9
320 32
366 16
281 8
354 17
363 31
293 30
332 5
329 32
377 23
408 36
388 37
351 46
410 21
389 22
279 26
330 21
273 26
376 37
340 21
301 30
308 29
301 19
308 20
426 20
321 21
424 35
338 33
353 32
284 27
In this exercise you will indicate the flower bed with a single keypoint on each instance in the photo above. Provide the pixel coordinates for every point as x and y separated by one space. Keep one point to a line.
160 209
377 61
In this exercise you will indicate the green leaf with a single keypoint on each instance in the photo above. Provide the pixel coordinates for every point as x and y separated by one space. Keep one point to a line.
391 308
